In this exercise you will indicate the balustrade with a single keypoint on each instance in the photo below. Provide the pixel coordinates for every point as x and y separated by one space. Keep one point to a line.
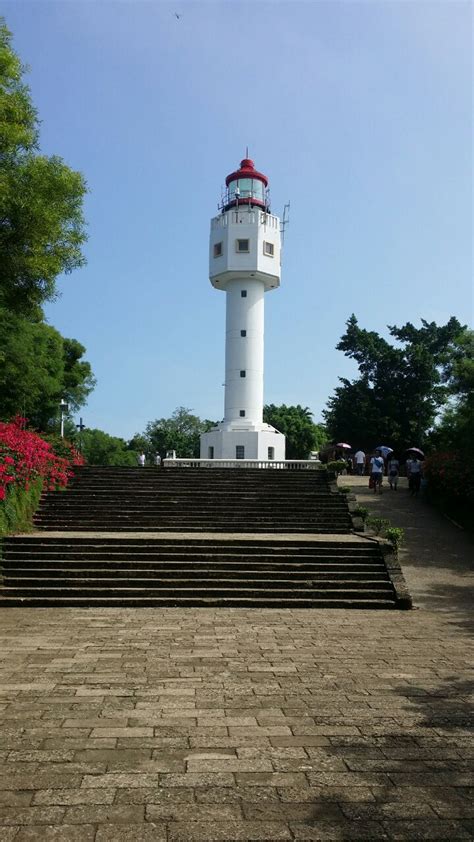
265 464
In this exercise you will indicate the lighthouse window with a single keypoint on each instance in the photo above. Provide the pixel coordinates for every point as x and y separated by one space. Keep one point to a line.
243 333
242 413
239 451
242 373
257 189
242 245
243 293
217 249
268 249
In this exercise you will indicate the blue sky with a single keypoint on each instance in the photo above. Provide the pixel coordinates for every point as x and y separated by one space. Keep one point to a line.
358 112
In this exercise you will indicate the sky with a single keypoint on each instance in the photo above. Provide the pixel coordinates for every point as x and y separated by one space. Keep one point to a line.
359 113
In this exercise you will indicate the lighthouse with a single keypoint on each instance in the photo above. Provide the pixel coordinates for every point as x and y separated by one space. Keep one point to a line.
244 262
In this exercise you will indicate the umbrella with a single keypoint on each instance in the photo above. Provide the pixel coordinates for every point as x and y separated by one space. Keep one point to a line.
343 445
384 449
415 450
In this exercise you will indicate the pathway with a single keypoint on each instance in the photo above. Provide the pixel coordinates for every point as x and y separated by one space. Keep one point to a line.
208 725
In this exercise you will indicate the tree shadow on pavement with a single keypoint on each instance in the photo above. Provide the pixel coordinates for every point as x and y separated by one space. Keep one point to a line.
456 601
446 707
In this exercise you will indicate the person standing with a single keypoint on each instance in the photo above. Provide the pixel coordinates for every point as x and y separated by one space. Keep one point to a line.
414 475
157 460
142 460
393 471
359 459
376 471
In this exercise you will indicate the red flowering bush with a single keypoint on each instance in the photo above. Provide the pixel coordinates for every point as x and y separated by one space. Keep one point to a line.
450 477
25 457
449 474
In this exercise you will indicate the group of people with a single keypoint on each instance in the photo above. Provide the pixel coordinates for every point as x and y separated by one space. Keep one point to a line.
142 460
377 466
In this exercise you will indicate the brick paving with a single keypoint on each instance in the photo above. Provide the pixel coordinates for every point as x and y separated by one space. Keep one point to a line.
207 725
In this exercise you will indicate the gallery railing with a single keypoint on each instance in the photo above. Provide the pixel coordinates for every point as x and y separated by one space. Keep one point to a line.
265 464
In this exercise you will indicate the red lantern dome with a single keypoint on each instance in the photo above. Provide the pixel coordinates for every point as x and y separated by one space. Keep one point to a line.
246 186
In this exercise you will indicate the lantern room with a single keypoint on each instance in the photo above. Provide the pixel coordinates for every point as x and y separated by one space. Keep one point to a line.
246 186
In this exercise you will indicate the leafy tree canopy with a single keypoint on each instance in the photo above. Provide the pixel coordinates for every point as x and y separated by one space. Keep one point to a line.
99 448
41 219
401 387
181 432
296 424
455 428
38 367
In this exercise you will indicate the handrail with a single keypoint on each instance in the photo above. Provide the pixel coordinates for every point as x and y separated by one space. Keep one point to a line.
265 464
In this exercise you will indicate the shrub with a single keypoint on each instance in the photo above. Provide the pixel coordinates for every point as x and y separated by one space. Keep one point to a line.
345 489
449 480
395 535
19 506
25 456
362 512
378 524
28 464
338 466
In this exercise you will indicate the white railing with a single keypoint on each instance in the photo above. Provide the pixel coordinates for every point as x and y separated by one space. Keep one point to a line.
287 464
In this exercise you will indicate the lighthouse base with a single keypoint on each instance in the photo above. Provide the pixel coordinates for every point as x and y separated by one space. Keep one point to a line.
234 441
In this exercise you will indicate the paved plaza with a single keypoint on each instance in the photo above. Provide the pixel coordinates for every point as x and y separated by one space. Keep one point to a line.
207 725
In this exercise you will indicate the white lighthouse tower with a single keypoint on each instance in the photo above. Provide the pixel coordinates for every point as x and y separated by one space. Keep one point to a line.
244 262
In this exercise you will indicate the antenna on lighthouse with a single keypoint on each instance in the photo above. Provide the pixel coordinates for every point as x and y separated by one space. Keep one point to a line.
285 221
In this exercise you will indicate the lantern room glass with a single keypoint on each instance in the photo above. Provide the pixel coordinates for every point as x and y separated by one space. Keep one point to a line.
249 188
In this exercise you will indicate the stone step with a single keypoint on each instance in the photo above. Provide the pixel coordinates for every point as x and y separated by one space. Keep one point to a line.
173 506
258 601
216 572
191 497
177 510
155 525
207 485
193 515
201 583
92 513
285 592
191 545
61 557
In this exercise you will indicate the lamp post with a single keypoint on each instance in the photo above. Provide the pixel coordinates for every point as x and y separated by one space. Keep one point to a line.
64 407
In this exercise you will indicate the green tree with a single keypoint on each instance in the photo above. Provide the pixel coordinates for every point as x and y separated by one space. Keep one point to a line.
352 414
38 367
78 381
401 387
455 428
296 424
321 436
41 220
181 433
100 448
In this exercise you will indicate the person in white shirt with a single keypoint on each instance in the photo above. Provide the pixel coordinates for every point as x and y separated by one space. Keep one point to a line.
393 470
414 468
141 460
359 459
376 471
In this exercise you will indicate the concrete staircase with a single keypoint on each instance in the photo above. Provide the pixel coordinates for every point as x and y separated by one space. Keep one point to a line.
196 500
131 572
129 537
